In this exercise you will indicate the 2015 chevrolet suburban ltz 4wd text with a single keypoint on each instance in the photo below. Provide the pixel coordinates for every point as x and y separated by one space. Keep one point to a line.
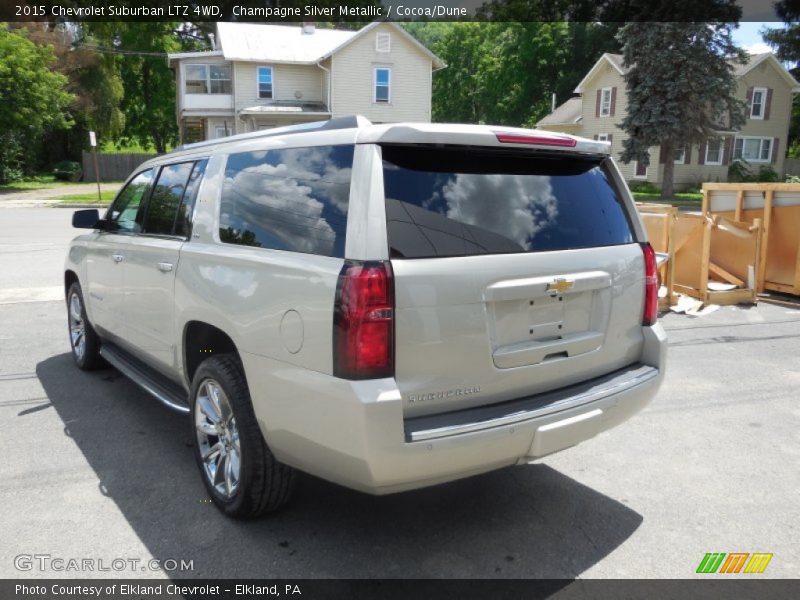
383 306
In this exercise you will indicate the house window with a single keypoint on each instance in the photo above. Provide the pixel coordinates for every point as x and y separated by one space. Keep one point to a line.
639 170
753 149
221 131
605 102
714 151
602 137
265 82
757 103
383 80
680 156
208 79
383 43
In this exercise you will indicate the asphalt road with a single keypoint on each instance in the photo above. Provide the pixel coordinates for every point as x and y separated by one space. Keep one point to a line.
94 468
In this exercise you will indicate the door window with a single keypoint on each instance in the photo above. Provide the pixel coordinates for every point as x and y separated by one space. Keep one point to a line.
183 220
166 198
125 210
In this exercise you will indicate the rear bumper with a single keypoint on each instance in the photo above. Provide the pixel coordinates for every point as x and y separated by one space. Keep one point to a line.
353 432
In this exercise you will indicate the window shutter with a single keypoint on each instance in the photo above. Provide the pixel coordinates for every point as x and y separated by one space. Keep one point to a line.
774 149
597 105
383 42
701 154
610 137
768 103
595 136
726 150
749 101
687 154
613 100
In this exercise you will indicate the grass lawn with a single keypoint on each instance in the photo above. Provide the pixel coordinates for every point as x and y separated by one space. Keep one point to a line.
680 199
37 182
89 198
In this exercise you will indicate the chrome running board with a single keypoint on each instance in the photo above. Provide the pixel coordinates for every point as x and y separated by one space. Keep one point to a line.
145 378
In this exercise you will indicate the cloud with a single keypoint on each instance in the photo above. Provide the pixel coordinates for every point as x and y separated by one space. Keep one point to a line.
516 206
757 48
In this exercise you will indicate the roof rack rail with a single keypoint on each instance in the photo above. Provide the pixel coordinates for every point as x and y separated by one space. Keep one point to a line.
349 122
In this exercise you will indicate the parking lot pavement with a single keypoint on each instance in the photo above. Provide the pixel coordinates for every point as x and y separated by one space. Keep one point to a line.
93 468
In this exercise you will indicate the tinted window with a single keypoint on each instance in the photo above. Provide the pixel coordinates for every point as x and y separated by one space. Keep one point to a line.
294 199
166 197
455 202
125 209
183 221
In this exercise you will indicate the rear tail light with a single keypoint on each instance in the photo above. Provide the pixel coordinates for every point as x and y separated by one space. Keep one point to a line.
650 314
363 321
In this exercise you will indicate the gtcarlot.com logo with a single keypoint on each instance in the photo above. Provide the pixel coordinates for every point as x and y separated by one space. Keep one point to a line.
48 562
734 562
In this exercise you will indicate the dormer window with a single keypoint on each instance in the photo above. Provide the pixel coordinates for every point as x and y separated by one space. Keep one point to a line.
383 43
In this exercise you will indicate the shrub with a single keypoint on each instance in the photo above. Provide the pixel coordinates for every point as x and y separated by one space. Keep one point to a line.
67 170
644 187
741 171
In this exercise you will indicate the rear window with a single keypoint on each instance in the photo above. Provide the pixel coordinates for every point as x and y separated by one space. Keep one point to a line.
465 201
293 199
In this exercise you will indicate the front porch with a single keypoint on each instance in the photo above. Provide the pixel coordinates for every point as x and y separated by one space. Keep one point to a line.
199 127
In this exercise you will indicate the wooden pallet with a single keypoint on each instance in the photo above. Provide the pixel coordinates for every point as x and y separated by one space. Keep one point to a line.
702 249
777 205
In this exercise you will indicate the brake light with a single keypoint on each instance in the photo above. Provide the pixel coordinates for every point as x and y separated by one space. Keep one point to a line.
650 314
363 321
541 140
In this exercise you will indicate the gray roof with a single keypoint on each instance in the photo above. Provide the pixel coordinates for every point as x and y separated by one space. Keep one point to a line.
567 114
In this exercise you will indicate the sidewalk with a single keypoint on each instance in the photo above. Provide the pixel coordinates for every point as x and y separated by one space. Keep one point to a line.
50 196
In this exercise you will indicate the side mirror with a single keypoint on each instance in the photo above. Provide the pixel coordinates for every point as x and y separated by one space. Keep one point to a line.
85 219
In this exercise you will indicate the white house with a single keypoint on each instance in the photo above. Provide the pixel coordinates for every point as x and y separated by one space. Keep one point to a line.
262 76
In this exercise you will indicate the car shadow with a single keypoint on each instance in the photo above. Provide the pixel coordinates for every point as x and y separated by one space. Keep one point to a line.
521 522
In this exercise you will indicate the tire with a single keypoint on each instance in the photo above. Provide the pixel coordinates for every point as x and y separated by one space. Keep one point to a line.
227 435
84 341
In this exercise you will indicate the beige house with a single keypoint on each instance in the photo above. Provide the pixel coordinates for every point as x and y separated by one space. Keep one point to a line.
765 85
262 76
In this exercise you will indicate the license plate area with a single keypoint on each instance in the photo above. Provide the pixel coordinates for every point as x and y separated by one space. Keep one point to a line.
531 322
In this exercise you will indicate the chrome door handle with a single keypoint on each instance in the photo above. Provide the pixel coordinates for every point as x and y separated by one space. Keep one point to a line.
117 257
165 267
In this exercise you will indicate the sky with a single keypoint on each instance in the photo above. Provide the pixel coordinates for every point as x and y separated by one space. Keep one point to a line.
749 38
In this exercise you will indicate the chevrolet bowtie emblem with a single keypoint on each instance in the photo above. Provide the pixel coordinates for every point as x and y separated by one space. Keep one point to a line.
560 285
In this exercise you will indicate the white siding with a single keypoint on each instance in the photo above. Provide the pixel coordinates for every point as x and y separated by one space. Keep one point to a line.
287 82
353 71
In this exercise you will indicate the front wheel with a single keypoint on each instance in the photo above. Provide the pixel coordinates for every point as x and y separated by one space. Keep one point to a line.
83 339
239 471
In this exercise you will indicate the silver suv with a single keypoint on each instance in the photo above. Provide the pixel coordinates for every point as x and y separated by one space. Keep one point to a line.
383 306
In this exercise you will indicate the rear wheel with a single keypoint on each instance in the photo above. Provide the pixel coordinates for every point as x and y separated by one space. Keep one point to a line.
83 339
238 469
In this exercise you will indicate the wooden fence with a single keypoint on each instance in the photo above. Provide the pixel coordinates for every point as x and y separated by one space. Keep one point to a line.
112 167
777 206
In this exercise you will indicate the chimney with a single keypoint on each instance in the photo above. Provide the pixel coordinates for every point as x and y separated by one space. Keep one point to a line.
308 27
553 103
212 38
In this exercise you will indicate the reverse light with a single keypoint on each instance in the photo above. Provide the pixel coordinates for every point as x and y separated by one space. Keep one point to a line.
363 321
541 140
650 314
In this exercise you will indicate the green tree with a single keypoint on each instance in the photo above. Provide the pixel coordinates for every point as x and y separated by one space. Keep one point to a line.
786 42
681 88
33 98
148 103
